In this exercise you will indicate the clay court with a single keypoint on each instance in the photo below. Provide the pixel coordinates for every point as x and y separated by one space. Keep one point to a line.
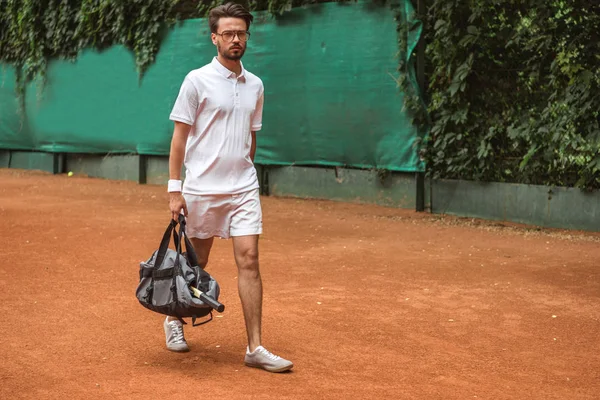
369 302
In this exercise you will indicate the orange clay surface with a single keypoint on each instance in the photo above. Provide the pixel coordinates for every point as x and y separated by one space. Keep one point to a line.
369 303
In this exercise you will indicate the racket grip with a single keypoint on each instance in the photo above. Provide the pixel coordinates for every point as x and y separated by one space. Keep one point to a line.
208 300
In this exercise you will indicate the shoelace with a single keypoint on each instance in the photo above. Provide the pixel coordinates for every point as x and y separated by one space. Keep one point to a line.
269 354
177 332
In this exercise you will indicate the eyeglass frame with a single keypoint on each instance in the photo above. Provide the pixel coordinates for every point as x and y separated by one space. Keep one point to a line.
235 33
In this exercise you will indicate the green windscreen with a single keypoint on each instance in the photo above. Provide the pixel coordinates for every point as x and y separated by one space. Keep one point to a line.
331 97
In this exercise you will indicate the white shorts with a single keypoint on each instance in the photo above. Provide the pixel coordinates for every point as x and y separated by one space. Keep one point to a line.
223 215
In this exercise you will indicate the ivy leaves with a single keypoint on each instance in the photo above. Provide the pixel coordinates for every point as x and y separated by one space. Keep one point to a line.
34 32
515 91
514 85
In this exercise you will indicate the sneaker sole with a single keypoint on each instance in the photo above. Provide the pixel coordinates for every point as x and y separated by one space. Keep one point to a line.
179 350
282 369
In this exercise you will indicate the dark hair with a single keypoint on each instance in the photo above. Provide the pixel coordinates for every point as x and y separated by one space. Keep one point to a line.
229 10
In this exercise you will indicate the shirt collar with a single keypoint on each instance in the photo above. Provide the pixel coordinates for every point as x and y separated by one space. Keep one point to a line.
225 72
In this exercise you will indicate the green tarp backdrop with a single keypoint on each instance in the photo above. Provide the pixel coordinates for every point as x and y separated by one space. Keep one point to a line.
330 92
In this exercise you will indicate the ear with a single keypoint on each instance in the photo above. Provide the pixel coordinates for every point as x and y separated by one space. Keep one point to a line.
213 37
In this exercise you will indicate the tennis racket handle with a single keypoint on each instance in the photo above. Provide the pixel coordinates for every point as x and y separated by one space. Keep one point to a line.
208 300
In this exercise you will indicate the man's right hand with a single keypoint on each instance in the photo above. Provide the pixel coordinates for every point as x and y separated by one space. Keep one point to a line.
176 204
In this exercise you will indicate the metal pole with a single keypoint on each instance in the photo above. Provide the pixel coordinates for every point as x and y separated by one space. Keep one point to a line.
58 163
142 169
420 66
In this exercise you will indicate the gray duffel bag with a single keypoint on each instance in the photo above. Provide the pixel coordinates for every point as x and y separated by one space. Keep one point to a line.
172 283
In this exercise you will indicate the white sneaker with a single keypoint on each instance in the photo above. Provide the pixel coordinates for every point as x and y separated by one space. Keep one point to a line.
174 336
263 358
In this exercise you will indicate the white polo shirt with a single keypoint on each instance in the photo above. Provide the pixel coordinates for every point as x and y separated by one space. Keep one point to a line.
222 109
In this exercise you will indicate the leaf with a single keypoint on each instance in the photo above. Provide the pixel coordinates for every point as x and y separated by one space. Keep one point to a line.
454 88
527 157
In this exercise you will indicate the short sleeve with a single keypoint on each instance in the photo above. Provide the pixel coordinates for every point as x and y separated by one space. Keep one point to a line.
185 108
258 111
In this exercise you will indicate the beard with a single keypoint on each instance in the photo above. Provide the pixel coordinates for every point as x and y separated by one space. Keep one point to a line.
231 55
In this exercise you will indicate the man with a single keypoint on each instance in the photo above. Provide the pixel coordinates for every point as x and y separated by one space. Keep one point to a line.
216 115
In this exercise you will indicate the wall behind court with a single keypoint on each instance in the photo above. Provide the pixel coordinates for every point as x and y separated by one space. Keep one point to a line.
331 97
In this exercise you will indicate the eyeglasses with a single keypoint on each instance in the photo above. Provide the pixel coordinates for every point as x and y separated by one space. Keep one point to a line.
228 36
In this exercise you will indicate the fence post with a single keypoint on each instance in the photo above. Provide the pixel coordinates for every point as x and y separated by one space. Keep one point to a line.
58 163
142 169
420 66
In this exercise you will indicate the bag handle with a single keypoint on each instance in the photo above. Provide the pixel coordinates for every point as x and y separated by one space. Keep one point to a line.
189 248
164 244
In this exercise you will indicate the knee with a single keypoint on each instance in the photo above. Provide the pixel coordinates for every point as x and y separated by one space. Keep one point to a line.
248 260
201 259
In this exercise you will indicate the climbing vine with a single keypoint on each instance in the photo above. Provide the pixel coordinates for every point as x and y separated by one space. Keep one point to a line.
33 32
515 91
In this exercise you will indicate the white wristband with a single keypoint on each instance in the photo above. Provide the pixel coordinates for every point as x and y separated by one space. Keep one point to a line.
174 185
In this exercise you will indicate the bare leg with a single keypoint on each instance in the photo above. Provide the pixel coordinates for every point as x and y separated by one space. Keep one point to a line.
202 248
245 249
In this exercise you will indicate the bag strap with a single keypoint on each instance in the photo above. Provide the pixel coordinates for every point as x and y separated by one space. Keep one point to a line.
164 245
189 248
203 322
